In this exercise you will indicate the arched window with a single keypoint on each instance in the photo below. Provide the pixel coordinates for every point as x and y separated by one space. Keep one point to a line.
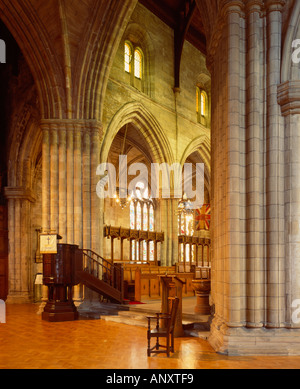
142 218
127 57
134 64
201 105
138 62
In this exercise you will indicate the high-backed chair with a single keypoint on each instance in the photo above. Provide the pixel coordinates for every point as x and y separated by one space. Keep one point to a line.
166 331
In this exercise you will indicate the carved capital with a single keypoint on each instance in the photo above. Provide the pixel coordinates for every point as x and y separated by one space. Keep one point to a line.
19 193
232 6
254 6
274 5
89 126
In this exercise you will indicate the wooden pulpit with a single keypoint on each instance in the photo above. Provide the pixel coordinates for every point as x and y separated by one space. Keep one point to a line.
59 275
172 287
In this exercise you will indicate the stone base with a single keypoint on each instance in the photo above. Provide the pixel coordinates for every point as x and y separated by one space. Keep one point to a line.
59 311
253 341
19 298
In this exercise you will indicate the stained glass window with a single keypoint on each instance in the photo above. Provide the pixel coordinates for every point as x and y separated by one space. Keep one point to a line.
144 251
133 250
137 246
138 63
127 57
187 253
151 251
132 215
145 217
151 218
182 225
138 216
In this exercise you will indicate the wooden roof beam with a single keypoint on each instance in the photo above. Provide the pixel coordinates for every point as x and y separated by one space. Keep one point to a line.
184 20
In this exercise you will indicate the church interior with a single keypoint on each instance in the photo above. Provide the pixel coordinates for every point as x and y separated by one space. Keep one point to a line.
149 156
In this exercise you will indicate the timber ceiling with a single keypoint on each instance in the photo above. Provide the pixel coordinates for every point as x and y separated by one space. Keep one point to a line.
171 12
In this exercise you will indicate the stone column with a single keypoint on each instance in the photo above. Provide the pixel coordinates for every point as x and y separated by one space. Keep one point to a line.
255 168
19 254
229 196
274 172
70 158
289 98
227 63
169 250
69 199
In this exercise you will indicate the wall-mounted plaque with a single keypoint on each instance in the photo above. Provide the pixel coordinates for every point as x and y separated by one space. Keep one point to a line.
48 243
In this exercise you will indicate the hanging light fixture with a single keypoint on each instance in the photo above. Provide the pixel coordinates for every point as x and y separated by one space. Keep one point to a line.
185 206
123 202
120 196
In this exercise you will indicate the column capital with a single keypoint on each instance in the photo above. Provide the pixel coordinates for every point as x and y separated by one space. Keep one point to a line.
289 97
254 6
232 6
274 5
19 193
88 125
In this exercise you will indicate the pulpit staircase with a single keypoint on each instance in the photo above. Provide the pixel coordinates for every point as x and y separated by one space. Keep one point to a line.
102 276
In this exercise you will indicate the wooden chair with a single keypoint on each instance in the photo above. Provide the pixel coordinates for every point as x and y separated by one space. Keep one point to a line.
163 332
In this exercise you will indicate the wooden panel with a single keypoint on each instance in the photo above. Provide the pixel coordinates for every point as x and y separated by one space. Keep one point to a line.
145 287
154 287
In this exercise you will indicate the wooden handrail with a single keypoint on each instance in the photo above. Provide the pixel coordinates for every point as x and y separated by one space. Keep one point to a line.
110 270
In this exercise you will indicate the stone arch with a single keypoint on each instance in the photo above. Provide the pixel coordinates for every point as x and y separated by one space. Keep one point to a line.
31 36
25 144
137 114
201 145
93 64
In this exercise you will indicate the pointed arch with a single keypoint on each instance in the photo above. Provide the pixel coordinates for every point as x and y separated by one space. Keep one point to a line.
137 114
96 53
202 145
25 25
25 149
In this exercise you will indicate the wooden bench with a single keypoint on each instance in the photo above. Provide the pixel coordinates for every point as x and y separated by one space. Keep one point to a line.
147 282
141 281
129 279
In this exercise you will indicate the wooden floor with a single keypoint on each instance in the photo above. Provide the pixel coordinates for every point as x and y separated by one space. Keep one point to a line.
28 342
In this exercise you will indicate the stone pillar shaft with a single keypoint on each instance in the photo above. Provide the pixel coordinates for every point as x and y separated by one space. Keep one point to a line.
70 203
255 265
274 173
289 99
169 252
231 145
19 203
